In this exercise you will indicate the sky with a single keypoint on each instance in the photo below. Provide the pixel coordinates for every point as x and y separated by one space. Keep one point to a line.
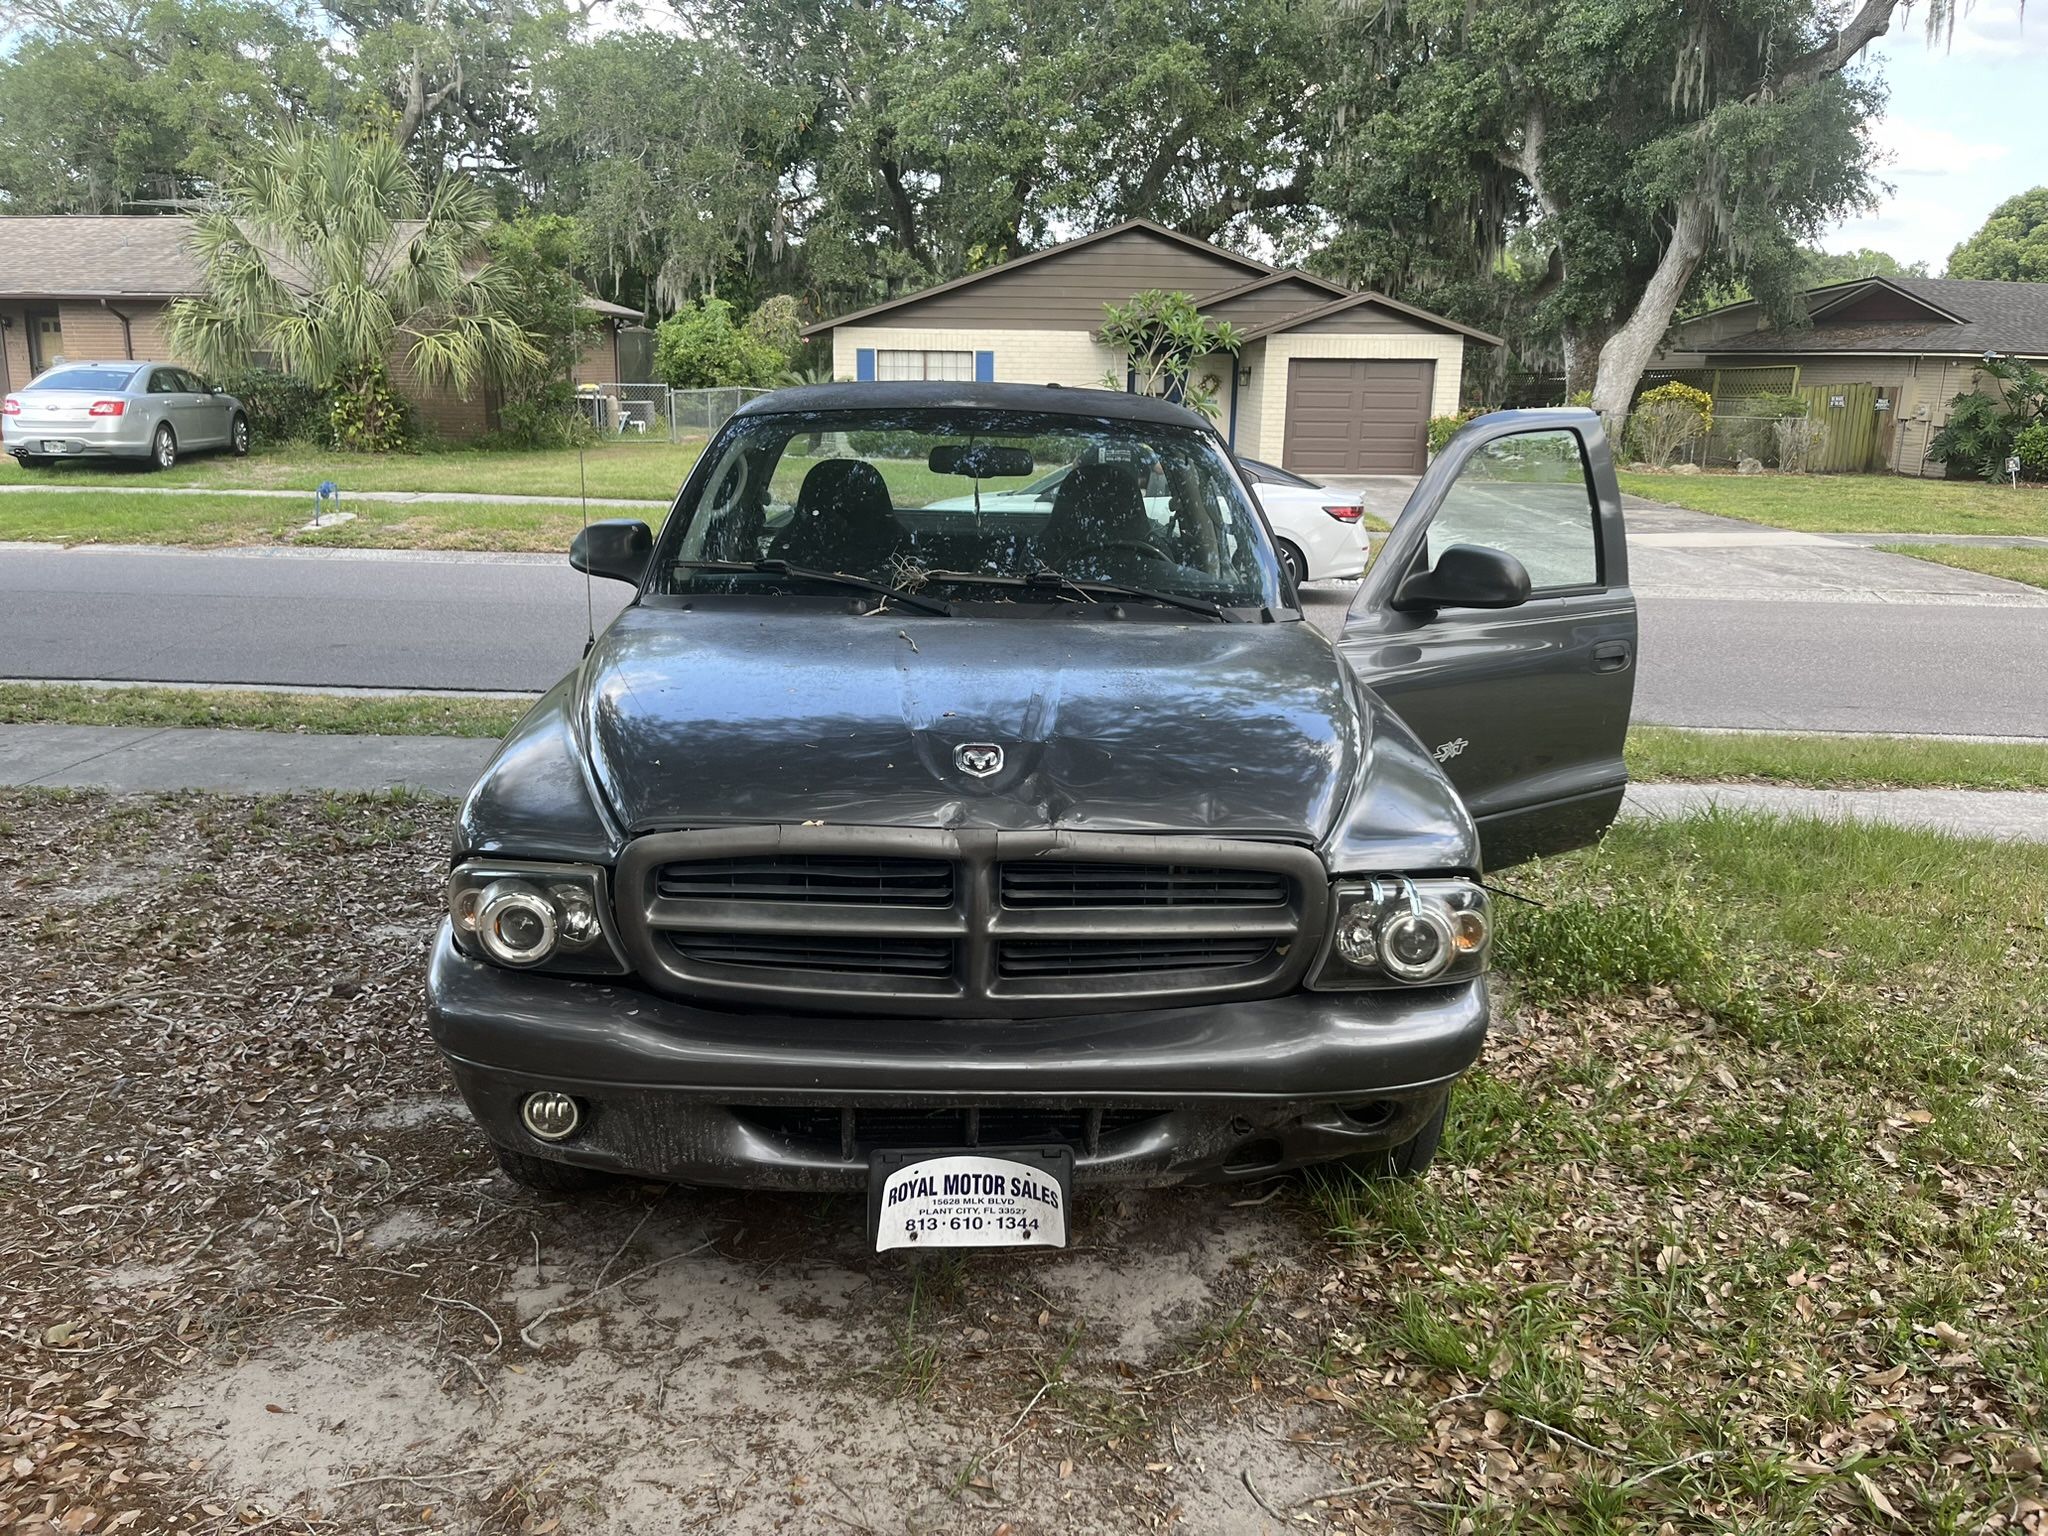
1961 132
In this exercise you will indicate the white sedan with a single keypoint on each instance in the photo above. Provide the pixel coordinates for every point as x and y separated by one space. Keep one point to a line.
1320 533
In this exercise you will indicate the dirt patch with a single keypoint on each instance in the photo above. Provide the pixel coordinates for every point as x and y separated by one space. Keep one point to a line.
257 1271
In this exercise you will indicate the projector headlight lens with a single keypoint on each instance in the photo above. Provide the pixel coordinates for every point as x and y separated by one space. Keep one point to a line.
1403 932
531 916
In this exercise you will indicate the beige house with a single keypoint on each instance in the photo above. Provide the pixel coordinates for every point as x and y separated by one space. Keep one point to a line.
1916 341
1329 382
86 287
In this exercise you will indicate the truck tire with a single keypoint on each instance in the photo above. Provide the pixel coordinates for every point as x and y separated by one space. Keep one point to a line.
544 1174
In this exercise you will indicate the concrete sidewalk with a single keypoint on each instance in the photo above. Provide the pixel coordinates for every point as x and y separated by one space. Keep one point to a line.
133 759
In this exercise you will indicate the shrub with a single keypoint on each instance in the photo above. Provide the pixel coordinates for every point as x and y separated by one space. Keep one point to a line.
1161 336
1443 428
1670 419
776 324
369 416
1984 430
2032 448
700 348
551 418
1795 440
281 409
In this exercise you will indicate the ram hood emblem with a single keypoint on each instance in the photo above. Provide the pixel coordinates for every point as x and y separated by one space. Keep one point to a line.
978 759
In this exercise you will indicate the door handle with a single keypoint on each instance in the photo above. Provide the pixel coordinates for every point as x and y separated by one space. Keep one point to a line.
1610 656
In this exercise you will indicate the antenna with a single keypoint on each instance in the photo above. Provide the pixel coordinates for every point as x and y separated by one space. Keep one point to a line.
589 602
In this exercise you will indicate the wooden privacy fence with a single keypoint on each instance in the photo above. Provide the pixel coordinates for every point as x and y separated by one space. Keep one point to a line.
1859 428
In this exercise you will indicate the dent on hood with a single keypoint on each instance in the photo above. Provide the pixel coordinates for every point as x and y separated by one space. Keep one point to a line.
1402 816
533 799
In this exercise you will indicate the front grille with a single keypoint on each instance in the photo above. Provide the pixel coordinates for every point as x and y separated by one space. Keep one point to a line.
837 880
1045 883
966 922
861 1131
819 952
1129 957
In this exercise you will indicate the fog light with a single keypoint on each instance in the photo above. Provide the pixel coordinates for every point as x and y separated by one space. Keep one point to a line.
1417 944
551 1116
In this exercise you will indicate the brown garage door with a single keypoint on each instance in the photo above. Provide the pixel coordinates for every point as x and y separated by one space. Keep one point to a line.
1346 416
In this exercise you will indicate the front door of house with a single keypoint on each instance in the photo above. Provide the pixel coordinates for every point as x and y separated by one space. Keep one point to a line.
45 339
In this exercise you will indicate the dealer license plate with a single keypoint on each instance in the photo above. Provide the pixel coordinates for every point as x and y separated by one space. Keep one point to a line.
1017 1197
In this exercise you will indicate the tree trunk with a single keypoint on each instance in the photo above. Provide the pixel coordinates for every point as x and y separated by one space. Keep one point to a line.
1634 342
1582 357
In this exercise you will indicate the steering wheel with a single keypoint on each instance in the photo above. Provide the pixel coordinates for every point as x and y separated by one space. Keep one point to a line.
1141 546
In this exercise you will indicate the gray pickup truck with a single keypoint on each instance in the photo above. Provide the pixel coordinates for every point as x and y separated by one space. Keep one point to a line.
908 836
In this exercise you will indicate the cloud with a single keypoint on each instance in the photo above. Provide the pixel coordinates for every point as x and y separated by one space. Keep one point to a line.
1911 147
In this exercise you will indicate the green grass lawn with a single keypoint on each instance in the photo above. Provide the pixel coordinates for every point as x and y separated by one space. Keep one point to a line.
323 714
2027 564
216 520
1741 1212
1852 503
1833 762
650 471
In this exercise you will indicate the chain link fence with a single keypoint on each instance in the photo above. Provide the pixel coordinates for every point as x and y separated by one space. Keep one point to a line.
657 414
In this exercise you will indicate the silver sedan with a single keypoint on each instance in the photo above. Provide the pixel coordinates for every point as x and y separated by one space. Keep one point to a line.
124 410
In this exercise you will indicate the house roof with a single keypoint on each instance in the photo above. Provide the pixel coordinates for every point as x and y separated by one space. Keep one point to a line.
1295 274
1961 317
1379 300
1253 269
118 256
95 256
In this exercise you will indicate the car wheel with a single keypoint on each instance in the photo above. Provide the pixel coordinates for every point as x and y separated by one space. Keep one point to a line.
238 437
1409 1160
545 1175
163 448
1297 567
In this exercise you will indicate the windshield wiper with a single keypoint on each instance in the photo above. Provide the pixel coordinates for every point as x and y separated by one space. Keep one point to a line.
1055 581
806 573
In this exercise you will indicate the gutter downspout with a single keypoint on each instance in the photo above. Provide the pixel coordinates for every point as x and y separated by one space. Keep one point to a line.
127 330
1231 436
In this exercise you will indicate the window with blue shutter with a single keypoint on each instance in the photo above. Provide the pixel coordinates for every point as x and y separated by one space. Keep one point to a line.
984 367
864 364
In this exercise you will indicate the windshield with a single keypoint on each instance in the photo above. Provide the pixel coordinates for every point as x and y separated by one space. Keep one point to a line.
968 505
103 380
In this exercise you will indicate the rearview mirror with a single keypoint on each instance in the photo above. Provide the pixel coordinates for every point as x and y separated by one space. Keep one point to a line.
979 461
1466 576
616 549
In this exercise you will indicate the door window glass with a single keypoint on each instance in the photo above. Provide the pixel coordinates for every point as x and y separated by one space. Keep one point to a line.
1528 494
161 382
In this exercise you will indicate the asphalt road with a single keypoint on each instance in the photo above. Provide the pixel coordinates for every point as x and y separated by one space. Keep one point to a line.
1848 659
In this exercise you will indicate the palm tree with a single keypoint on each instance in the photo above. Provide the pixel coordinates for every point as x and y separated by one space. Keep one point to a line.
330 259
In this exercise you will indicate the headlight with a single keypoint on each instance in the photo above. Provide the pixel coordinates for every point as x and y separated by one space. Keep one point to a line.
1404 932
534 915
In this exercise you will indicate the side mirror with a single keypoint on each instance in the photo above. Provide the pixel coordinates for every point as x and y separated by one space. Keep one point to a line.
616 549
1466 576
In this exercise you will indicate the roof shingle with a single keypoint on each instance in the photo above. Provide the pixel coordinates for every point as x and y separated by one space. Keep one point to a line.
1993 317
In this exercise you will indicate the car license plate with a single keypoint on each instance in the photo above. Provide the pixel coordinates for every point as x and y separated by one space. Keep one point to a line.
52 447
1015 1197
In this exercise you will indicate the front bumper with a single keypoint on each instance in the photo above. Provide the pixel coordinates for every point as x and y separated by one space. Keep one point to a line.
715 1096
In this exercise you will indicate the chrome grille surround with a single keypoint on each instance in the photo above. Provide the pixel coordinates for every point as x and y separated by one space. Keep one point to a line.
680 944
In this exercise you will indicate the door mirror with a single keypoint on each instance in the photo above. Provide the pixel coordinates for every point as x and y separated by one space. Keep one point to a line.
616 549
1465 576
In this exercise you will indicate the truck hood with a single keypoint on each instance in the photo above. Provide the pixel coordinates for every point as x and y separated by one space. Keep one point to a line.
699 718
